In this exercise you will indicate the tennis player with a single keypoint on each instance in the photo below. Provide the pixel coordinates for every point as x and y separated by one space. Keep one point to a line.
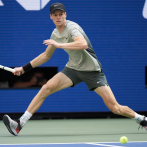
83 65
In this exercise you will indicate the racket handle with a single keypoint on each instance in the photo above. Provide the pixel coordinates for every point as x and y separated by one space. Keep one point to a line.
7 68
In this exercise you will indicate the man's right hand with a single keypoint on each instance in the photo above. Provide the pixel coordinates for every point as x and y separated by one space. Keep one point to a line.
18 71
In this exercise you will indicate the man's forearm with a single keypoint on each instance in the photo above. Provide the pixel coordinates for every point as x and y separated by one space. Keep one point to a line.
42 58
77 45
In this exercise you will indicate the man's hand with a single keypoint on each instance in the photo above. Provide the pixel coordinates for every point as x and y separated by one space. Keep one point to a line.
51 42
18 71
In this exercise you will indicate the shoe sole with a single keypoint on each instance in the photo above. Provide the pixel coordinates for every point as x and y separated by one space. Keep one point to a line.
7 124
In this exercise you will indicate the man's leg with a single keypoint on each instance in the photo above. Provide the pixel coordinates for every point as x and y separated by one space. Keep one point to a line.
110 101
58 82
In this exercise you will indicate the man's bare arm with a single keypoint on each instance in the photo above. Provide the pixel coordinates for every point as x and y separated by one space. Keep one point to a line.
44 57
78 44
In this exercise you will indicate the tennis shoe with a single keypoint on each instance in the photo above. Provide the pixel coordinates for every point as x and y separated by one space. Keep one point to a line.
13 126
143 123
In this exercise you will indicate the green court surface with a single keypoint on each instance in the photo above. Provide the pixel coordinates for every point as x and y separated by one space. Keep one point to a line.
74 131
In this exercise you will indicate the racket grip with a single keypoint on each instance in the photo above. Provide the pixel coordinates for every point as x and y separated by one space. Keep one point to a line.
9 69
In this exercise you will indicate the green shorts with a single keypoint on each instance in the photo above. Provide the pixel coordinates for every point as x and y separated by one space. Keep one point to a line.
93 79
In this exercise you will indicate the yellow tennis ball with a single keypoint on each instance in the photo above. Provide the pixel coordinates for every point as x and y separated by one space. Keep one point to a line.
123 139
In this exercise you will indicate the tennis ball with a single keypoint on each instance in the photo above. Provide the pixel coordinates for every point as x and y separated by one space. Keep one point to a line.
123 139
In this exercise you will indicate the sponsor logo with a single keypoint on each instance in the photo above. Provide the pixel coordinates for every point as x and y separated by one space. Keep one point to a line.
98 81
22 116
1 3
138 119
55 5
144 13
33 5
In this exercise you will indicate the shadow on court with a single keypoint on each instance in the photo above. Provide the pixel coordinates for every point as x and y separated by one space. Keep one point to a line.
74 131
65 135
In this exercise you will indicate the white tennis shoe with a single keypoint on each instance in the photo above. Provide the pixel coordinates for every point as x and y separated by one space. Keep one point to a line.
13 126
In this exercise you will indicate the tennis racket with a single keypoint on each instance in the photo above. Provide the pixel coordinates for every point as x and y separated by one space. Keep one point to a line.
7 68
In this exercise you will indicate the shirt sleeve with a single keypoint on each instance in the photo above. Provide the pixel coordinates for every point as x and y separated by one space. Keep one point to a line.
74 32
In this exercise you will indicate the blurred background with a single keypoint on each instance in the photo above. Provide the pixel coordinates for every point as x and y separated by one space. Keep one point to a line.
118 33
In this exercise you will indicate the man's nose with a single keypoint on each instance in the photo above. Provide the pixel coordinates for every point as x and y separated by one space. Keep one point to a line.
58 16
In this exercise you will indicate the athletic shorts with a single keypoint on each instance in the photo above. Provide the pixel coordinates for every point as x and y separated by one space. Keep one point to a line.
93 79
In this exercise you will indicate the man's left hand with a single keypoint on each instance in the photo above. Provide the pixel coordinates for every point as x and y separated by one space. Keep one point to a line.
51 42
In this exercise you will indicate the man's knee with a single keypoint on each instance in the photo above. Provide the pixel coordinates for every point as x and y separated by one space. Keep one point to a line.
48 87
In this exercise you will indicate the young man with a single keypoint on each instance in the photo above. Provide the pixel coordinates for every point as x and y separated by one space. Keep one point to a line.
83 65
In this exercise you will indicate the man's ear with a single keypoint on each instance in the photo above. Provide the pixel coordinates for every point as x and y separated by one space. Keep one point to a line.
50 16
65 14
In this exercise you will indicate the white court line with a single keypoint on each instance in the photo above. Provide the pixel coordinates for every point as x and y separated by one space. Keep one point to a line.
116 142
74 143
104 145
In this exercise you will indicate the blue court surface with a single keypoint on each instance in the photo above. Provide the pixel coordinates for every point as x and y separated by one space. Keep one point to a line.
100 144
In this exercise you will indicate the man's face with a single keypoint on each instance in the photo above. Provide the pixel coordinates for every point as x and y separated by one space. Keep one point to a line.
58 17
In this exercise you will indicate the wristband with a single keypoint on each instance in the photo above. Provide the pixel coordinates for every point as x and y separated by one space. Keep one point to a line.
27 67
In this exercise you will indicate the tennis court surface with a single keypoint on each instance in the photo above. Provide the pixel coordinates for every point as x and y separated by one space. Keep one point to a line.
75 133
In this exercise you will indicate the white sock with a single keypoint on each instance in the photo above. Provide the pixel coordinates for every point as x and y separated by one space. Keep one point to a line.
24 118
139 117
